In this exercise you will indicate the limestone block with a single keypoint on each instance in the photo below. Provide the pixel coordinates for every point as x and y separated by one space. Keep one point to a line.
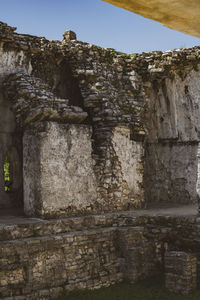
58 170
175 14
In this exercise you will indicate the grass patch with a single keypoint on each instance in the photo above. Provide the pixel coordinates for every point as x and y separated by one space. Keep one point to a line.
149 289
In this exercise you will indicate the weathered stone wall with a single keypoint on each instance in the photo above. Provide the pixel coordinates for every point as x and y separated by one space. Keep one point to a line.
90 258
136 105
180 272
73 260
174 106
172 126
89 252
171 173
129 154
97 80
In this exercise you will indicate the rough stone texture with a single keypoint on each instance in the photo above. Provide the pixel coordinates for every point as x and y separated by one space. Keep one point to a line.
96 250
130 156
34 102
173 137
58 170
13 60
178 15
73 256
66 261
138 258
69 35
168 177
174 107
103 131
180 272
155 96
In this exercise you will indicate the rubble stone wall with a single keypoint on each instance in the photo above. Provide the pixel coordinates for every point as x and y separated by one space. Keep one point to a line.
89 252
83 259
136 102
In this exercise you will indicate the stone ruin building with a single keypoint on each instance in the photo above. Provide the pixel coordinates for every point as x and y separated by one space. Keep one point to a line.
100 149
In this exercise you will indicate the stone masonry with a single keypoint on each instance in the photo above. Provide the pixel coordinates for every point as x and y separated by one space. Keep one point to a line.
180 272
87 137
95 251
140 111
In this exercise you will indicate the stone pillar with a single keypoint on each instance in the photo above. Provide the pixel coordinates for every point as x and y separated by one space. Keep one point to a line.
58 170
180 272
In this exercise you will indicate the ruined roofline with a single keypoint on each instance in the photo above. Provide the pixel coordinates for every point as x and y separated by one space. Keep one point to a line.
37 44
149 66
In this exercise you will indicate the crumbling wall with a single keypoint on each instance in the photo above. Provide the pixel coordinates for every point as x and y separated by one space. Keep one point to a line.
142 110
93 254
97 80
11 60
97 251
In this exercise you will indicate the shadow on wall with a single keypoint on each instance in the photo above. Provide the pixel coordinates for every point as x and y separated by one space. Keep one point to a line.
11 185
58 74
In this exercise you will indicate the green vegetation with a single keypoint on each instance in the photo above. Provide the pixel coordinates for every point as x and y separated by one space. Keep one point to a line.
133 56
91 78
6 168
111 53
149 289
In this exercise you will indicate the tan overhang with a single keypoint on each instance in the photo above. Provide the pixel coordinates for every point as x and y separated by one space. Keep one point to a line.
182 15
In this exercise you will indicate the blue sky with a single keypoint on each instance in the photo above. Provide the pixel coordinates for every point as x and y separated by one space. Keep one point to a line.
94 21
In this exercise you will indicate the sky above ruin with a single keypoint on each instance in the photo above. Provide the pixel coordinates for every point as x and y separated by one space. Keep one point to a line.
94 21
